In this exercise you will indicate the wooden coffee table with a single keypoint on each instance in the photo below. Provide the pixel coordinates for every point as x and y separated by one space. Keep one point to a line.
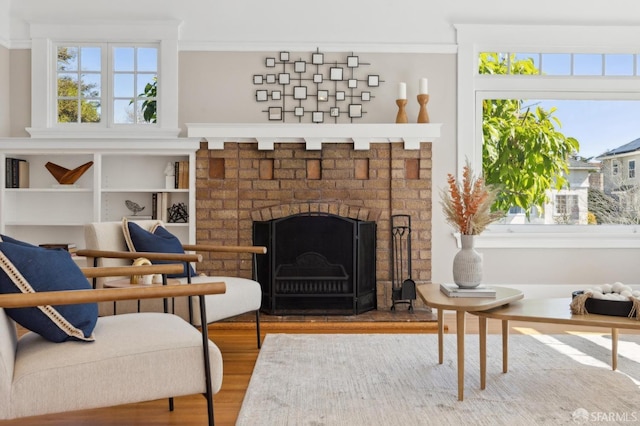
552 311
433 297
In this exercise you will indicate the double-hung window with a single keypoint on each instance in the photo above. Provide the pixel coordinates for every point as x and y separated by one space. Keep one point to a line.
107 84
105 80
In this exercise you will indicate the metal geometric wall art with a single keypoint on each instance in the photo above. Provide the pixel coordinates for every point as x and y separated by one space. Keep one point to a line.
313 89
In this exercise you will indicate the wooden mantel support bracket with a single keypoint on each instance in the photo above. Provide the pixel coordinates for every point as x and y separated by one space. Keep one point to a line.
411 143
266 144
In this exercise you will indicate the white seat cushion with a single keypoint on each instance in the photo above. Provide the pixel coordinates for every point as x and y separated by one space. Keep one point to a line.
115 369
242 295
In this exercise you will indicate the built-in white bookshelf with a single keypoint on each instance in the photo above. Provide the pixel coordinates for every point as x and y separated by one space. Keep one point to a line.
122 169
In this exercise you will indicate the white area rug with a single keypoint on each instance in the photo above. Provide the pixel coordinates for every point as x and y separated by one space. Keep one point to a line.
386 379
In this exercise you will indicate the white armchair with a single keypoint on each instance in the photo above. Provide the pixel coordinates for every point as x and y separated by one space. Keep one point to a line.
135 357
242 295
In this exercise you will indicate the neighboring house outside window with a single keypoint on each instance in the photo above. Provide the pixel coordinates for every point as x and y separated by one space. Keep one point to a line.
620 187
566 208
556 211
572 203
611 161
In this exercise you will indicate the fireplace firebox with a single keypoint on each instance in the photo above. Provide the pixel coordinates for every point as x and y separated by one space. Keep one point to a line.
316 264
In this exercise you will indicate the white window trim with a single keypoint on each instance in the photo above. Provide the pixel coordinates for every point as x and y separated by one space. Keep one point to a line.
43 91
472 88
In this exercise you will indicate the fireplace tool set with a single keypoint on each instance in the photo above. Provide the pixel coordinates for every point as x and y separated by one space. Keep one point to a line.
403 290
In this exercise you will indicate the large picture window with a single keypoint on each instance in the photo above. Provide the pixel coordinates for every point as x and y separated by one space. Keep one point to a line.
564 85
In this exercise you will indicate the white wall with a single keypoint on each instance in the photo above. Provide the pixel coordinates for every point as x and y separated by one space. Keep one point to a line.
4 92
19 92
217 86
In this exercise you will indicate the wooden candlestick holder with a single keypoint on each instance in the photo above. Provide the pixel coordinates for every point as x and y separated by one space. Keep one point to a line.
423 115
402 113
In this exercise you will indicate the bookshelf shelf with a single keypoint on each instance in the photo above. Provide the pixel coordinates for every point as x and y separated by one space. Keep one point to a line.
145 190
38 190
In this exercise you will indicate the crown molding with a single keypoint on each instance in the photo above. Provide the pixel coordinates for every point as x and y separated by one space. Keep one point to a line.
214 46
217 46
185 45
16 43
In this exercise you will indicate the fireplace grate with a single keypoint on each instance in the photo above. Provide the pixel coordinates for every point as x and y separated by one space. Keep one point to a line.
311 274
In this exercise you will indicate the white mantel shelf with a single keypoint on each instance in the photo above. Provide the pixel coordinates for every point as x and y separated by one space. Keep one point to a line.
314 135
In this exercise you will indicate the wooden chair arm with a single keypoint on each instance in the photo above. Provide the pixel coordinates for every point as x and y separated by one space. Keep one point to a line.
72 297
182 257
225 249
118 271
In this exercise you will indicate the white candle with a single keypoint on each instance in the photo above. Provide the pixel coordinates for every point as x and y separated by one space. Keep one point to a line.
423 86
402 91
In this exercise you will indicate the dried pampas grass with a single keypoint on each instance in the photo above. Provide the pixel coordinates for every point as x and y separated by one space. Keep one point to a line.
467 205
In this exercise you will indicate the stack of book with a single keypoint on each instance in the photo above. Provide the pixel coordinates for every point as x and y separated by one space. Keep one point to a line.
181 175
160 206
452 290
17 173
70 247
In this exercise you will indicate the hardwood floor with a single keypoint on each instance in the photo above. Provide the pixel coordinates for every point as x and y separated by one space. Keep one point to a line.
237 341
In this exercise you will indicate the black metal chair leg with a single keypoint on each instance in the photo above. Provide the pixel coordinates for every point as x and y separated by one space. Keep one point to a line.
207 363
190 298
254 270
258 328
171 404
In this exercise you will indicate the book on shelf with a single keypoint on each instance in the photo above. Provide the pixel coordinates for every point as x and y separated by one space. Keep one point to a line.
160 206
16 173
452 290
181 174
154 205
139 217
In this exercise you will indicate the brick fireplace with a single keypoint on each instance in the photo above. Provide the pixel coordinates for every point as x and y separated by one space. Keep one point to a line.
241 184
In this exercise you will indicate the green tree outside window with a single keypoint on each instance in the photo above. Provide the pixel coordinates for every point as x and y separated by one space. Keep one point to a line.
523 152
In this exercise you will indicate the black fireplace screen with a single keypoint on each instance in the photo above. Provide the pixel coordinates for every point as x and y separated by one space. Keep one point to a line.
316 264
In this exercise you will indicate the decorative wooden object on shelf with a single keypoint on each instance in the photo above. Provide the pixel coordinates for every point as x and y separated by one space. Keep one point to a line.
423 115
65 176
402 113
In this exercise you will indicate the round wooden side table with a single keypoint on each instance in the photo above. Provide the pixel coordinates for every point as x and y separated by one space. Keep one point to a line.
126 283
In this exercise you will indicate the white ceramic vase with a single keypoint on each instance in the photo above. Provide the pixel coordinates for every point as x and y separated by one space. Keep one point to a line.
467 264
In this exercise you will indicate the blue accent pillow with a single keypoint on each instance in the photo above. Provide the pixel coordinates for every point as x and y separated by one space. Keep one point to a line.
25 268
158 240
8 239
